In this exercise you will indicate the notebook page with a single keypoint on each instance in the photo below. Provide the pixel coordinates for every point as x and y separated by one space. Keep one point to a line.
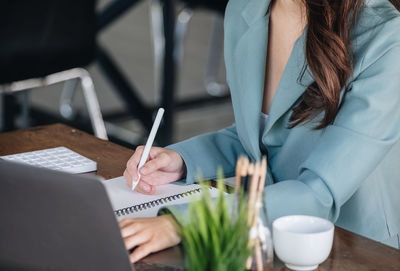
121 196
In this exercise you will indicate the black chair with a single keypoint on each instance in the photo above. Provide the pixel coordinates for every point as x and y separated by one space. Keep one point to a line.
46 42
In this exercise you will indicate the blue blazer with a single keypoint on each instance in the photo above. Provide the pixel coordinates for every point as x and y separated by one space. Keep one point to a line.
348 172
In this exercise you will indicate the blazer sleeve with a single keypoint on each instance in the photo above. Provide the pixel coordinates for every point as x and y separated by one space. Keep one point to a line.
209 151
348 151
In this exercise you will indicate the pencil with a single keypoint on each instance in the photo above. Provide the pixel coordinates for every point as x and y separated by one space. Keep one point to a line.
258 256
239 165
254 171
251 208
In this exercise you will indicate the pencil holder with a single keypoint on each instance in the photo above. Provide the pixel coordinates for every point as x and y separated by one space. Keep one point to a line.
263 254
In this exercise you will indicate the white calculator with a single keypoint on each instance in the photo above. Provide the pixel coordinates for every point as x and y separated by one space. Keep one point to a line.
60 158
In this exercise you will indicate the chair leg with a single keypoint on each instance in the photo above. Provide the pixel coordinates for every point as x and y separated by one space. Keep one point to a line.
67 111
24 101
212 85
9 110
182 22
92 104
169 73
157 27
158 43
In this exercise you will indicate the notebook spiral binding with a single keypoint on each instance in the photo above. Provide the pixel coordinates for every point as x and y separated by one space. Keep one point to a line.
153 203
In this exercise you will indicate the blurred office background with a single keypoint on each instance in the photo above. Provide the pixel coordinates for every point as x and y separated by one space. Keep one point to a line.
128 39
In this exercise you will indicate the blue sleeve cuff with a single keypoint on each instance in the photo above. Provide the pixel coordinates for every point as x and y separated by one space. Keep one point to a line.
306 196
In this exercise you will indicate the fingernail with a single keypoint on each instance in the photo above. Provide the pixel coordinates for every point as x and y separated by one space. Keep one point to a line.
143 171
145 187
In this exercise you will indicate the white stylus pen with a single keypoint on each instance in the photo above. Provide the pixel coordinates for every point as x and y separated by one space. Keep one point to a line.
148 145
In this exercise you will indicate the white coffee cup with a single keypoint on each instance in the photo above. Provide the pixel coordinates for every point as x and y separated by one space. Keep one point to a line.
302 242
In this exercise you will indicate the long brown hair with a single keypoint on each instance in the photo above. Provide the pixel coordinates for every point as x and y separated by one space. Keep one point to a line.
328 56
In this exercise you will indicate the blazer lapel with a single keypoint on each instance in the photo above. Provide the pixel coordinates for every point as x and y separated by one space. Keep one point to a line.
249 68
254 10
291 85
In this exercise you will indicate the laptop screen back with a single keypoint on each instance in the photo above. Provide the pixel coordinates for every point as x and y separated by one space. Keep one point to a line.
56 221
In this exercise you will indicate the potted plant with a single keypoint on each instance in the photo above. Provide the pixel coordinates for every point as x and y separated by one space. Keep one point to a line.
216 236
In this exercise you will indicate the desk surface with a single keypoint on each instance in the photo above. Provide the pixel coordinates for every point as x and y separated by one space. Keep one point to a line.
350 251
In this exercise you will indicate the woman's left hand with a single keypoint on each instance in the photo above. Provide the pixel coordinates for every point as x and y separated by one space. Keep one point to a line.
148 235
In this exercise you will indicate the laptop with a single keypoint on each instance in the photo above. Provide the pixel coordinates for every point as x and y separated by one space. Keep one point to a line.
56 221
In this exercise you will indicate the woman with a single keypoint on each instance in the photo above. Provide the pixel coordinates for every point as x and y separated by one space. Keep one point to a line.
315 85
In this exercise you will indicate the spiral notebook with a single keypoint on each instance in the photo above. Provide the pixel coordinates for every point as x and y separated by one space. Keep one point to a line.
128 204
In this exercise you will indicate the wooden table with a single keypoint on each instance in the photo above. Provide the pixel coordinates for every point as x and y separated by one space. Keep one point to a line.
350 251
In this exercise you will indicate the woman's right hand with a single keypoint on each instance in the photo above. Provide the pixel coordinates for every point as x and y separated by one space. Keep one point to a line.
163 166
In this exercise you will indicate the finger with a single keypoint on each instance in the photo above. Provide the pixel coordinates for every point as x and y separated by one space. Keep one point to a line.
136 240
133 174
162 160
145 188
125 222
135 158
130 229
141 252
128 178
154 151
159 178
133 162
